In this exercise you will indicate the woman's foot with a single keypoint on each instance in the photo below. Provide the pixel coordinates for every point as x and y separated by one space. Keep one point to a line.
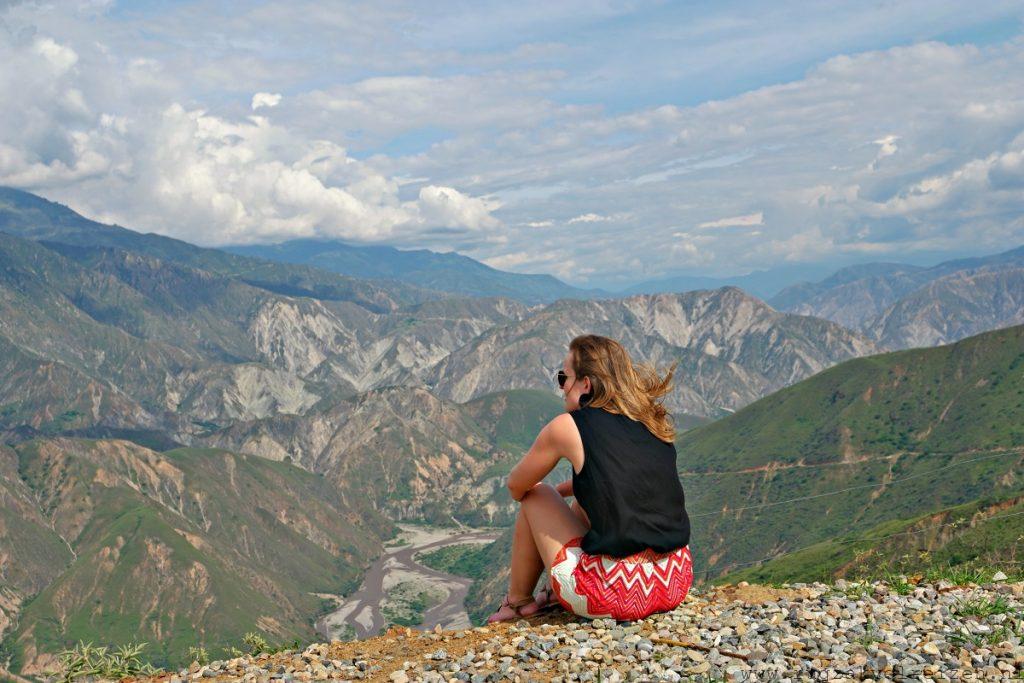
520 609
546 598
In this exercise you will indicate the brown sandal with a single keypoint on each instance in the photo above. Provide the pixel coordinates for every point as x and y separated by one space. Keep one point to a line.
517 610
546 598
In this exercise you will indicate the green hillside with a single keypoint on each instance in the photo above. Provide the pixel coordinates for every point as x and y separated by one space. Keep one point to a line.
192 546
31 217
980 536
965 396
513 418
896 435
32 554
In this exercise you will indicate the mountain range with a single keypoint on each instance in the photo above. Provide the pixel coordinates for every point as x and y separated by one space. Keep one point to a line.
731 348
896 305
763 284
184 422
147 383
902 306
141 336
29 216
448 272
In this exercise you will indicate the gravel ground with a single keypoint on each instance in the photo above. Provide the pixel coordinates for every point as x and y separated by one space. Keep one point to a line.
845 631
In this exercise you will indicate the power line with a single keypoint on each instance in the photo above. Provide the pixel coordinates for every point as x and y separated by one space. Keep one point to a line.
855 488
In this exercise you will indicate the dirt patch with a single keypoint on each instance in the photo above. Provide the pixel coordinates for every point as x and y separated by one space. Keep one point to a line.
400 644
755 594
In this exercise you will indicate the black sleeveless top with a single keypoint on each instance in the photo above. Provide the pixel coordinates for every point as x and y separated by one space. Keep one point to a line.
629 487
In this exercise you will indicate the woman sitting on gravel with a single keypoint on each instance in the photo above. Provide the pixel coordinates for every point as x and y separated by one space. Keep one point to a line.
621 550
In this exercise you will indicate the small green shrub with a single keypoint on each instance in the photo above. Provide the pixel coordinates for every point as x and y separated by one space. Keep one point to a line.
256 644
963 639
87 660
198 654
960 575
871 634
898 583
982 607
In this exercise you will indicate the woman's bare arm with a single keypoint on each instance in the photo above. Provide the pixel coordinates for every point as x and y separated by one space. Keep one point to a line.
549 446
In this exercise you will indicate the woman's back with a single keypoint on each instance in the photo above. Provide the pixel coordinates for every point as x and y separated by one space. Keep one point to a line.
628 486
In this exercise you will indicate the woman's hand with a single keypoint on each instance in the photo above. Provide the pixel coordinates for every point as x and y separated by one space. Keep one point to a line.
565 489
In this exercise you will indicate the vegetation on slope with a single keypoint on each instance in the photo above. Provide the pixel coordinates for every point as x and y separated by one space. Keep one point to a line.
193 546
461 559
980 536
896 435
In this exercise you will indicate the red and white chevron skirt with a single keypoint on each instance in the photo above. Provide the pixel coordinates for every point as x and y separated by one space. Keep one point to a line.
626 588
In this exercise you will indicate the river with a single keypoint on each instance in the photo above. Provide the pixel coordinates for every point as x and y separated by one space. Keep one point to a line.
361 611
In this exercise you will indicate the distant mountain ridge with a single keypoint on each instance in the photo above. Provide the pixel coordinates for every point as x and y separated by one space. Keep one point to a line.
147 344
904 306
731 347
29 216
763 284
450 272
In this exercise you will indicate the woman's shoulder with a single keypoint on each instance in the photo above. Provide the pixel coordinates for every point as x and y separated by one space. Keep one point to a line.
564 423
564 430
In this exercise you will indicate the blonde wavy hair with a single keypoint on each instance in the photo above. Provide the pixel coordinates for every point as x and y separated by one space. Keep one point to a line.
620 386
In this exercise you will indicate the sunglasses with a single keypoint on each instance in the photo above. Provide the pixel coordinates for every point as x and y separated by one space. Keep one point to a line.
560 377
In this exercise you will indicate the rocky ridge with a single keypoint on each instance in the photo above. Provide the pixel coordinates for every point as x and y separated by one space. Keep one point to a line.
902 306
731 348
952 307
846 631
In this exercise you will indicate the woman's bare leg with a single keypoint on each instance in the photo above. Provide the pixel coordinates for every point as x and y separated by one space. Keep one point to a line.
578 510
527 564
551 522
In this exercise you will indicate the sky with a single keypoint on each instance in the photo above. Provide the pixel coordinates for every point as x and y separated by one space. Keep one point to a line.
601 142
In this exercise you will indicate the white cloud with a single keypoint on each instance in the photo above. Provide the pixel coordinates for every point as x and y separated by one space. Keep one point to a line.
443 129
389 105
448 206
509 261
745 220
60 57
887 145
265 99
211 179
589 218
991 177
